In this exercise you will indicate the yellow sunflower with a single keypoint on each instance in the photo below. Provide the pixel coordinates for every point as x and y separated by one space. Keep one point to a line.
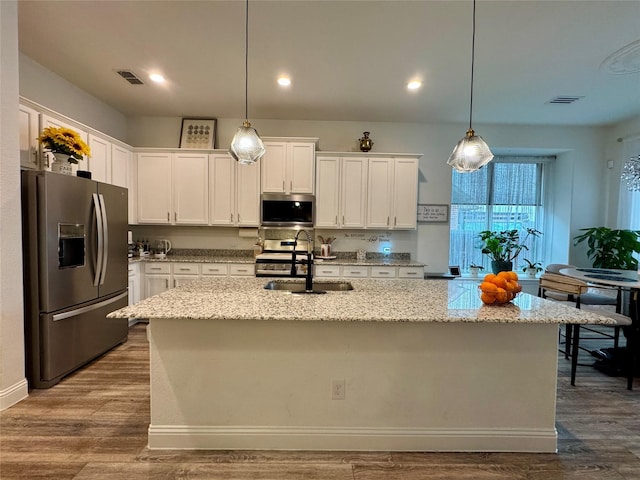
64 140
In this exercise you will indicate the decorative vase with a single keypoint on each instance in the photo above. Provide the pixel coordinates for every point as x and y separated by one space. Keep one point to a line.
365 142
474 271
62 164
531 272
325 250
501 266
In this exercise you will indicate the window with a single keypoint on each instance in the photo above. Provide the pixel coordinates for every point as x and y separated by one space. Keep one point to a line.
504 195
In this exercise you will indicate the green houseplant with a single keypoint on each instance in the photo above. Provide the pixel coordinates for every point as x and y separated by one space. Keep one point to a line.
503 247
611 248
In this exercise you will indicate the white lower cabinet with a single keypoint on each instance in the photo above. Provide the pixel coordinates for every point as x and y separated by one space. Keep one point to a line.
411 272
185 273
320 270
355 271
157 278
242 269
383 272
134 283
215 269
361 271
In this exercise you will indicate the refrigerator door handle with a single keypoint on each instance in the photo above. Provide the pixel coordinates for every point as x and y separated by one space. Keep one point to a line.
100 235
105 242
88 308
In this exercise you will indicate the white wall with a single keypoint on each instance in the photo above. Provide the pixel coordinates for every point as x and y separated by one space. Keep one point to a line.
49 89
13 384
575 187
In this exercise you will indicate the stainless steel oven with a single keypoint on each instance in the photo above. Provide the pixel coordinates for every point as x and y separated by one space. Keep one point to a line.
275 260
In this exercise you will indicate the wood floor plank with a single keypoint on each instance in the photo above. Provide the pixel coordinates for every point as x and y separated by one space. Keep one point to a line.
93 425
224 471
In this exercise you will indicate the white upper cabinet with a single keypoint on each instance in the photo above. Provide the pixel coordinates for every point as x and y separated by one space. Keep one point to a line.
190 188
234 192
341 198
99 162
29 131
222 189
392 193
154 200
248 194
380 193
120 166
405 193
288 167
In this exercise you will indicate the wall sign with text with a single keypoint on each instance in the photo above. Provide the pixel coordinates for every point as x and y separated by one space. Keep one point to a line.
433 213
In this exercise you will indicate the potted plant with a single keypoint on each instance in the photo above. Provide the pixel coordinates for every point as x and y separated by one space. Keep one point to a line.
609 248
474 269
531 268
65 145
503 247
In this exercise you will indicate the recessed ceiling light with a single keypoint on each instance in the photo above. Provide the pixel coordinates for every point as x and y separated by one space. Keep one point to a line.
414 85
156 77
284 81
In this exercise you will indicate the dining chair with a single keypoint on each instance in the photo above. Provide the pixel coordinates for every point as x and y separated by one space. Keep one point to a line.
589 297
553 286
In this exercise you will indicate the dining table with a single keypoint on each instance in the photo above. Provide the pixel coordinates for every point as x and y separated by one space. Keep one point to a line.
628 281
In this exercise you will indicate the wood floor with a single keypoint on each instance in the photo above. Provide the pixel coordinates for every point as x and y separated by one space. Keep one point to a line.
93 425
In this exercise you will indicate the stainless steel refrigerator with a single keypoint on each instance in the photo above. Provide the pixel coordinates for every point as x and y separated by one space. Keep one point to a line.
75 272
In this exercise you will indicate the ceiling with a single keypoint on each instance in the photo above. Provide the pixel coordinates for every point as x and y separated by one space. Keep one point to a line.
348 60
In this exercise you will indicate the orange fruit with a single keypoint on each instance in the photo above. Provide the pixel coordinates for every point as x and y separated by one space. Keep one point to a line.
514 276
488 287
499 281
488 299
505 275
501 296
489 276
511 286
518 288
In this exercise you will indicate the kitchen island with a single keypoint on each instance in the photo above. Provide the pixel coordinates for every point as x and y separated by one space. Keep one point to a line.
391 365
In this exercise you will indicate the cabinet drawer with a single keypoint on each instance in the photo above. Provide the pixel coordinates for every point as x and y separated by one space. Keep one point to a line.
242 269
214 269
157 267
133 269
326 270
383 272
355 271
411 272
186 268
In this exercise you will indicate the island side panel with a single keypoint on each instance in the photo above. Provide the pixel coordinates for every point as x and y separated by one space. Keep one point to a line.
229 384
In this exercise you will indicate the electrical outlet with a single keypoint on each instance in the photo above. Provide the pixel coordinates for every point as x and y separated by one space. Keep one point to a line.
338 389
386 250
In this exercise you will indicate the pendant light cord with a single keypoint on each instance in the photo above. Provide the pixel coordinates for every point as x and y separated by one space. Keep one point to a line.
473 56
246 61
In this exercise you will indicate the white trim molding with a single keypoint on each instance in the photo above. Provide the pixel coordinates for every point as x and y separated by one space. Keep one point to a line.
352 438
14 394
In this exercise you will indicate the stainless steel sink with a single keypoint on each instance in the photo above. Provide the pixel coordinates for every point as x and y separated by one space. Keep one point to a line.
318 287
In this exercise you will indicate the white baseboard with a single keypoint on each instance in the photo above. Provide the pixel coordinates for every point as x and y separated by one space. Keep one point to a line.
13 394
364 439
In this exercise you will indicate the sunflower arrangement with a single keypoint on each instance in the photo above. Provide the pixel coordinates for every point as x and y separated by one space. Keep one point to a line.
66 141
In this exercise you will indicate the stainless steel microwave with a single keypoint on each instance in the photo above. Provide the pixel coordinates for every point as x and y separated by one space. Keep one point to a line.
280 210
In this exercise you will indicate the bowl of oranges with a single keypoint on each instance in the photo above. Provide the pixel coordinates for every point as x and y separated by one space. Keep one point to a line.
500 288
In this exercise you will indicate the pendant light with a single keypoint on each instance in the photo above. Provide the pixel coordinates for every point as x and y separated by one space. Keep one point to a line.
471 153
246 146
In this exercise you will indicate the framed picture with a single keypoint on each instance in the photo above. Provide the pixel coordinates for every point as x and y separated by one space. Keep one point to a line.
433 213
454 270
198 133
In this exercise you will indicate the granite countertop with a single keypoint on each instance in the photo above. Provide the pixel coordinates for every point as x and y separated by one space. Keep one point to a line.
370 300
230 256
196 259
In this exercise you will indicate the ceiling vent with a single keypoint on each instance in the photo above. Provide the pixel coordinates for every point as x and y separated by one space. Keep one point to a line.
130 77
564 100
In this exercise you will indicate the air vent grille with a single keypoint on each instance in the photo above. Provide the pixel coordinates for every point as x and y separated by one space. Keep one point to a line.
130 77
564 100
